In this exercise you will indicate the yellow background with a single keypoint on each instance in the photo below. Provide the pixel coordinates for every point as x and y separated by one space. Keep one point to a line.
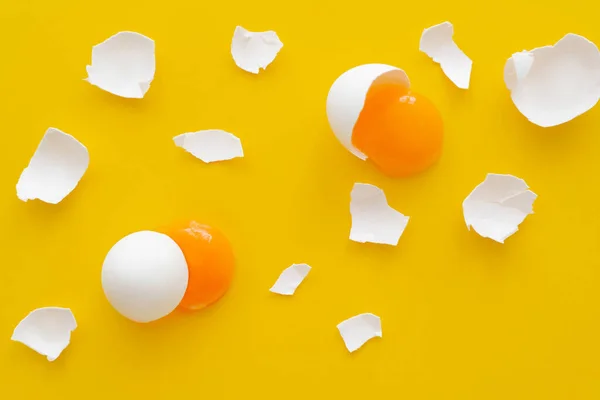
463 317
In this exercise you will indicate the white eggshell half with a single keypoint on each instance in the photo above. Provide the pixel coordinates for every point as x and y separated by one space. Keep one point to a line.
144 276
553 84
346 100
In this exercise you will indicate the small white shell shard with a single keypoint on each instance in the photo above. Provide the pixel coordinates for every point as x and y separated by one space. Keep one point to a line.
357 330
290 279
210 145
346 99
57 166
497 206
552 85
123 65
373 220
437 43
252 51
46 330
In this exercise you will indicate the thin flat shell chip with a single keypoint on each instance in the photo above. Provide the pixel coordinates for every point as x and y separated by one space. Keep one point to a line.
46 330
358 330
210 145
124 65
438 44
290 279
373 220
57 166
252 51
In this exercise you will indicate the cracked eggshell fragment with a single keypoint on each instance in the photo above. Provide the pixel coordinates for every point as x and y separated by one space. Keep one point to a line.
346 99
55 169
252 51
497 206
373 220
211 145
290 279
437 43
46 330
123 64
552 85
359 329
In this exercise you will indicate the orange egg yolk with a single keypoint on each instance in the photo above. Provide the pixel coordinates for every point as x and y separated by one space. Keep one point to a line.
210 262
399 131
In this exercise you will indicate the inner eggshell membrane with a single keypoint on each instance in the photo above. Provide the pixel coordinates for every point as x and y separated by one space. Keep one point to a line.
399 131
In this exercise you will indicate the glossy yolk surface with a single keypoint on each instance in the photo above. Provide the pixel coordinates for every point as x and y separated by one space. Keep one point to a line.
399 131
210 262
